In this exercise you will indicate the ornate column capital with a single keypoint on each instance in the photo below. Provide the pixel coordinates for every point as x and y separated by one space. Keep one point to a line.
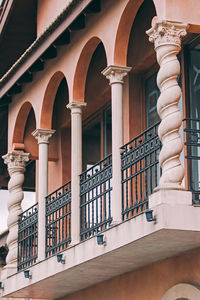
16 161
43 135
76 107
166 32
116 74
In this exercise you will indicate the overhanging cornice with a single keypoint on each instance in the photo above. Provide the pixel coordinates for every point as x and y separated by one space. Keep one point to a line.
41 44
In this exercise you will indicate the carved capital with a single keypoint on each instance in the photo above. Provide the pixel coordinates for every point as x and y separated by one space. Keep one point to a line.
165 32
16 161
116 74
43 135
76 107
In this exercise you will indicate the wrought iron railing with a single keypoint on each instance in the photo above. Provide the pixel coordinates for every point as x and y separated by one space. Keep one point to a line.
95 198
140 171
58 220
27 238
192 143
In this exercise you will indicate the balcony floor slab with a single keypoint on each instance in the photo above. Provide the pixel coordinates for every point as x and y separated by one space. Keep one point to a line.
130 245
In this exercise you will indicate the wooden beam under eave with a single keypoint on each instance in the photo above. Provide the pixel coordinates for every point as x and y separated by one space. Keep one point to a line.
26 77
15 89
50 53
5 100
78 24
63 39
37 66
93 8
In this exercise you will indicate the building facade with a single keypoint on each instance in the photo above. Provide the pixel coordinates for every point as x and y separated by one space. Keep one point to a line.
100 117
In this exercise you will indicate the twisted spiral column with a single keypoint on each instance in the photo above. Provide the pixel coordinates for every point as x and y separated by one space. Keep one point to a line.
166 37
16 163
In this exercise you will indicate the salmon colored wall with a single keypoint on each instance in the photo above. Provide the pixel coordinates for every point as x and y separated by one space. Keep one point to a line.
47 11
181 11
103 26
149 283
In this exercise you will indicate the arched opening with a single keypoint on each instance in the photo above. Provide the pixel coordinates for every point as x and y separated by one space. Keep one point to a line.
97 136
141 176
48 101
18 135
97 145
24 141
82 69
60 143
142 80
123 33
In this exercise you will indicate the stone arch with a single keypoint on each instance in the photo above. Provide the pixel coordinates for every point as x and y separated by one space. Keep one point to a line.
124 30
82 68
49 98
182 291
20 123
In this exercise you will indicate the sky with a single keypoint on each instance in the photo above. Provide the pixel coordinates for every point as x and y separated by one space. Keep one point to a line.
28 201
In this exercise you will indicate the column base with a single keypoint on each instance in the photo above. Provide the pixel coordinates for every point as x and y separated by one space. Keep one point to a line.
169 186
170 197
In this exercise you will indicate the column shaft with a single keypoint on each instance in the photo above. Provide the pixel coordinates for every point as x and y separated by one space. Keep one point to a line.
116 74
43 136
76 167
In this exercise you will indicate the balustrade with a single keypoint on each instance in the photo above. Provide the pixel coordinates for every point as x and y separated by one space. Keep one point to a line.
58 220
27 237
95 198
140 171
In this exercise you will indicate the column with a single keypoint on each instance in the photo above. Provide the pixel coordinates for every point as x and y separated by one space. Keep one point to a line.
42 136
166 37
115 74
76 166
16 163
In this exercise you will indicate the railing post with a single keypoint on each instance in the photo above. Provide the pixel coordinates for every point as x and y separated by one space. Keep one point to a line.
16 167
166 37
76 167
42 136
115 74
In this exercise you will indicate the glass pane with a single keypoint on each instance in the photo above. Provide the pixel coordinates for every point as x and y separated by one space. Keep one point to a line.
194 78
152 93
194 83
91 144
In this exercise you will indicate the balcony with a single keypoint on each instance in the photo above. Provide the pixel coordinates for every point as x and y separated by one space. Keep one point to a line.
130 244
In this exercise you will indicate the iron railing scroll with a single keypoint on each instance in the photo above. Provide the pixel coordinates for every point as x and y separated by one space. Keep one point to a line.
140 171
58 220
95 198
27 238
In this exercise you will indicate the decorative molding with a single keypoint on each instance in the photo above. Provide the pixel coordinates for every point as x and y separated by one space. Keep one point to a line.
76 107
16 161
116 74
165 32
43 135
